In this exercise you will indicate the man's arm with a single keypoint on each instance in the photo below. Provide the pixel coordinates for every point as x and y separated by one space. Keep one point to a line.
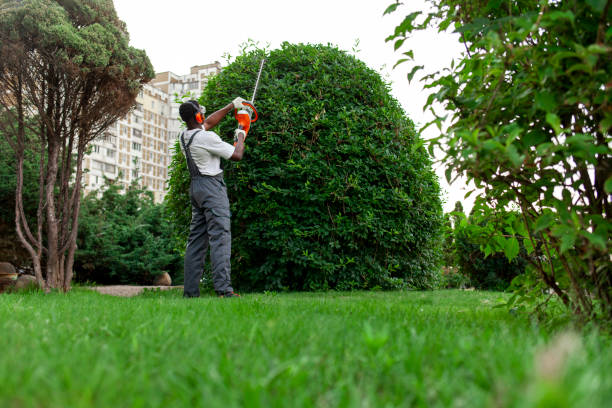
239 148
212 120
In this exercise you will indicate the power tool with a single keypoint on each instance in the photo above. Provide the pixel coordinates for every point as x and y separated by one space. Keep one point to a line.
244 116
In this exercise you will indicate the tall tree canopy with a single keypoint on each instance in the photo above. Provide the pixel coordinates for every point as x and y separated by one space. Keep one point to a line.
531 103
335 190
67 65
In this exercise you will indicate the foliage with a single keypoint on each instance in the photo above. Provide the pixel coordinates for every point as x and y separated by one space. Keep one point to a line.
124 238
67 66
8 181
357 349
451 220
484 268
530 125
453 278
335 190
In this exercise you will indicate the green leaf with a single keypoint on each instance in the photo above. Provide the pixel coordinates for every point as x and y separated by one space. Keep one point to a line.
400 61
391 8
545 101
413 72
519 227
406 25
448 173
606 123
398 44
409 54
553 120
598 49
528 246
568 239
580 67
534 138
511 248
543 222
514 156
608 185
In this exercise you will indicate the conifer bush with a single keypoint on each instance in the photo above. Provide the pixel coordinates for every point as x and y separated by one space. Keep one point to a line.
124 238
335 190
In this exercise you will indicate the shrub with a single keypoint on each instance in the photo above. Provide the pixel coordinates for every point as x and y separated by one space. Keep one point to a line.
453 278
124 238
484 271
335 190
531 126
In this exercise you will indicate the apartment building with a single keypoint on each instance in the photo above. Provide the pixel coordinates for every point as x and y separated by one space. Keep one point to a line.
136 147
178 86
139 146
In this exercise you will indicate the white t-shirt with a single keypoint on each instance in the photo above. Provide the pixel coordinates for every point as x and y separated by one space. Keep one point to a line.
206 150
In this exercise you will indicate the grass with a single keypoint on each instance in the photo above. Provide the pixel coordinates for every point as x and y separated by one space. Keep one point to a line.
373 349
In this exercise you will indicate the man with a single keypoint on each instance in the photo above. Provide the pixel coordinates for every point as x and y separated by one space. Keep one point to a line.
210 213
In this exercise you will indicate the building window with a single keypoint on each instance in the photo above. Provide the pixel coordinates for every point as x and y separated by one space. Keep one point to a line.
95 149
135 173
110 153
137 133
109 168
96 165
136 146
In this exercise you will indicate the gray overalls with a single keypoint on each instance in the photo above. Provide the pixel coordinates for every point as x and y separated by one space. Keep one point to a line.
210 224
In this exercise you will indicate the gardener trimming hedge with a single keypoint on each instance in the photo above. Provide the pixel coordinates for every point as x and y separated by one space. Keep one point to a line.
337 191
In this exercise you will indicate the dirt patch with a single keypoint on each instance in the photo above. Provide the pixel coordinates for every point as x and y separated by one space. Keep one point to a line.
127 290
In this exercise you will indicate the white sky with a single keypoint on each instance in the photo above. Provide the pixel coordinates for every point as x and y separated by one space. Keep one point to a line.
182 33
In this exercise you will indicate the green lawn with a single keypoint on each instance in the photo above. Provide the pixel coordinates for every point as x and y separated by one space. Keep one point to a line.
372 349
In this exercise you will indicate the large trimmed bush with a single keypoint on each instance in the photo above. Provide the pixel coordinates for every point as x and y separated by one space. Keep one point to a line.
335 190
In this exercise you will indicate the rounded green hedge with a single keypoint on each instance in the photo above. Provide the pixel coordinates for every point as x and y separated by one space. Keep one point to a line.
335 190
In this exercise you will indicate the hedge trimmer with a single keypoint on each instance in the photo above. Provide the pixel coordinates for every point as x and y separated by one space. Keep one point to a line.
243 116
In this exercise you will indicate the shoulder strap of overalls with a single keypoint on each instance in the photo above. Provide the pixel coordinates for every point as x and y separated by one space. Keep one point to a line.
193 168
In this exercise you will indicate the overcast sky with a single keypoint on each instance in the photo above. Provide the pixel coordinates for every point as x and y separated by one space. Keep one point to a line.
181 33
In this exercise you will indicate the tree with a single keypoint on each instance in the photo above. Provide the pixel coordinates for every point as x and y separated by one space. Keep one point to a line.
67 65
531 113
335 190
124 238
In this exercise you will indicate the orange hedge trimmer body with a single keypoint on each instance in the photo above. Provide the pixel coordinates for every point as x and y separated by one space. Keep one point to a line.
244 116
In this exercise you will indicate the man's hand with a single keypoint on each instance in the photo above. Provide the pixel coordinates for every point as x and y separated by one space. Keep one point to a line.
239 135
238 102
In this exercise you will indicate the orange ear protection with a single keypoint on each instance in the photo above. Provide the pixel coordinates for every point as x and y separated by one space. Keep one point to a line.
199 116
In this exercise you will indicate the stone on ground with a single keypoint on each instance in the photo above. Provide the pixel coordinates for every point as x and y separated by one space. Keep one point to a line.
163 280
25 281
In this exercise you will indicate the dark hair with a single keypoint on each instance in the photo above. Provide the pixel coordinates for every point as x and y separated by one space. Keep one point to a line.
188 109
